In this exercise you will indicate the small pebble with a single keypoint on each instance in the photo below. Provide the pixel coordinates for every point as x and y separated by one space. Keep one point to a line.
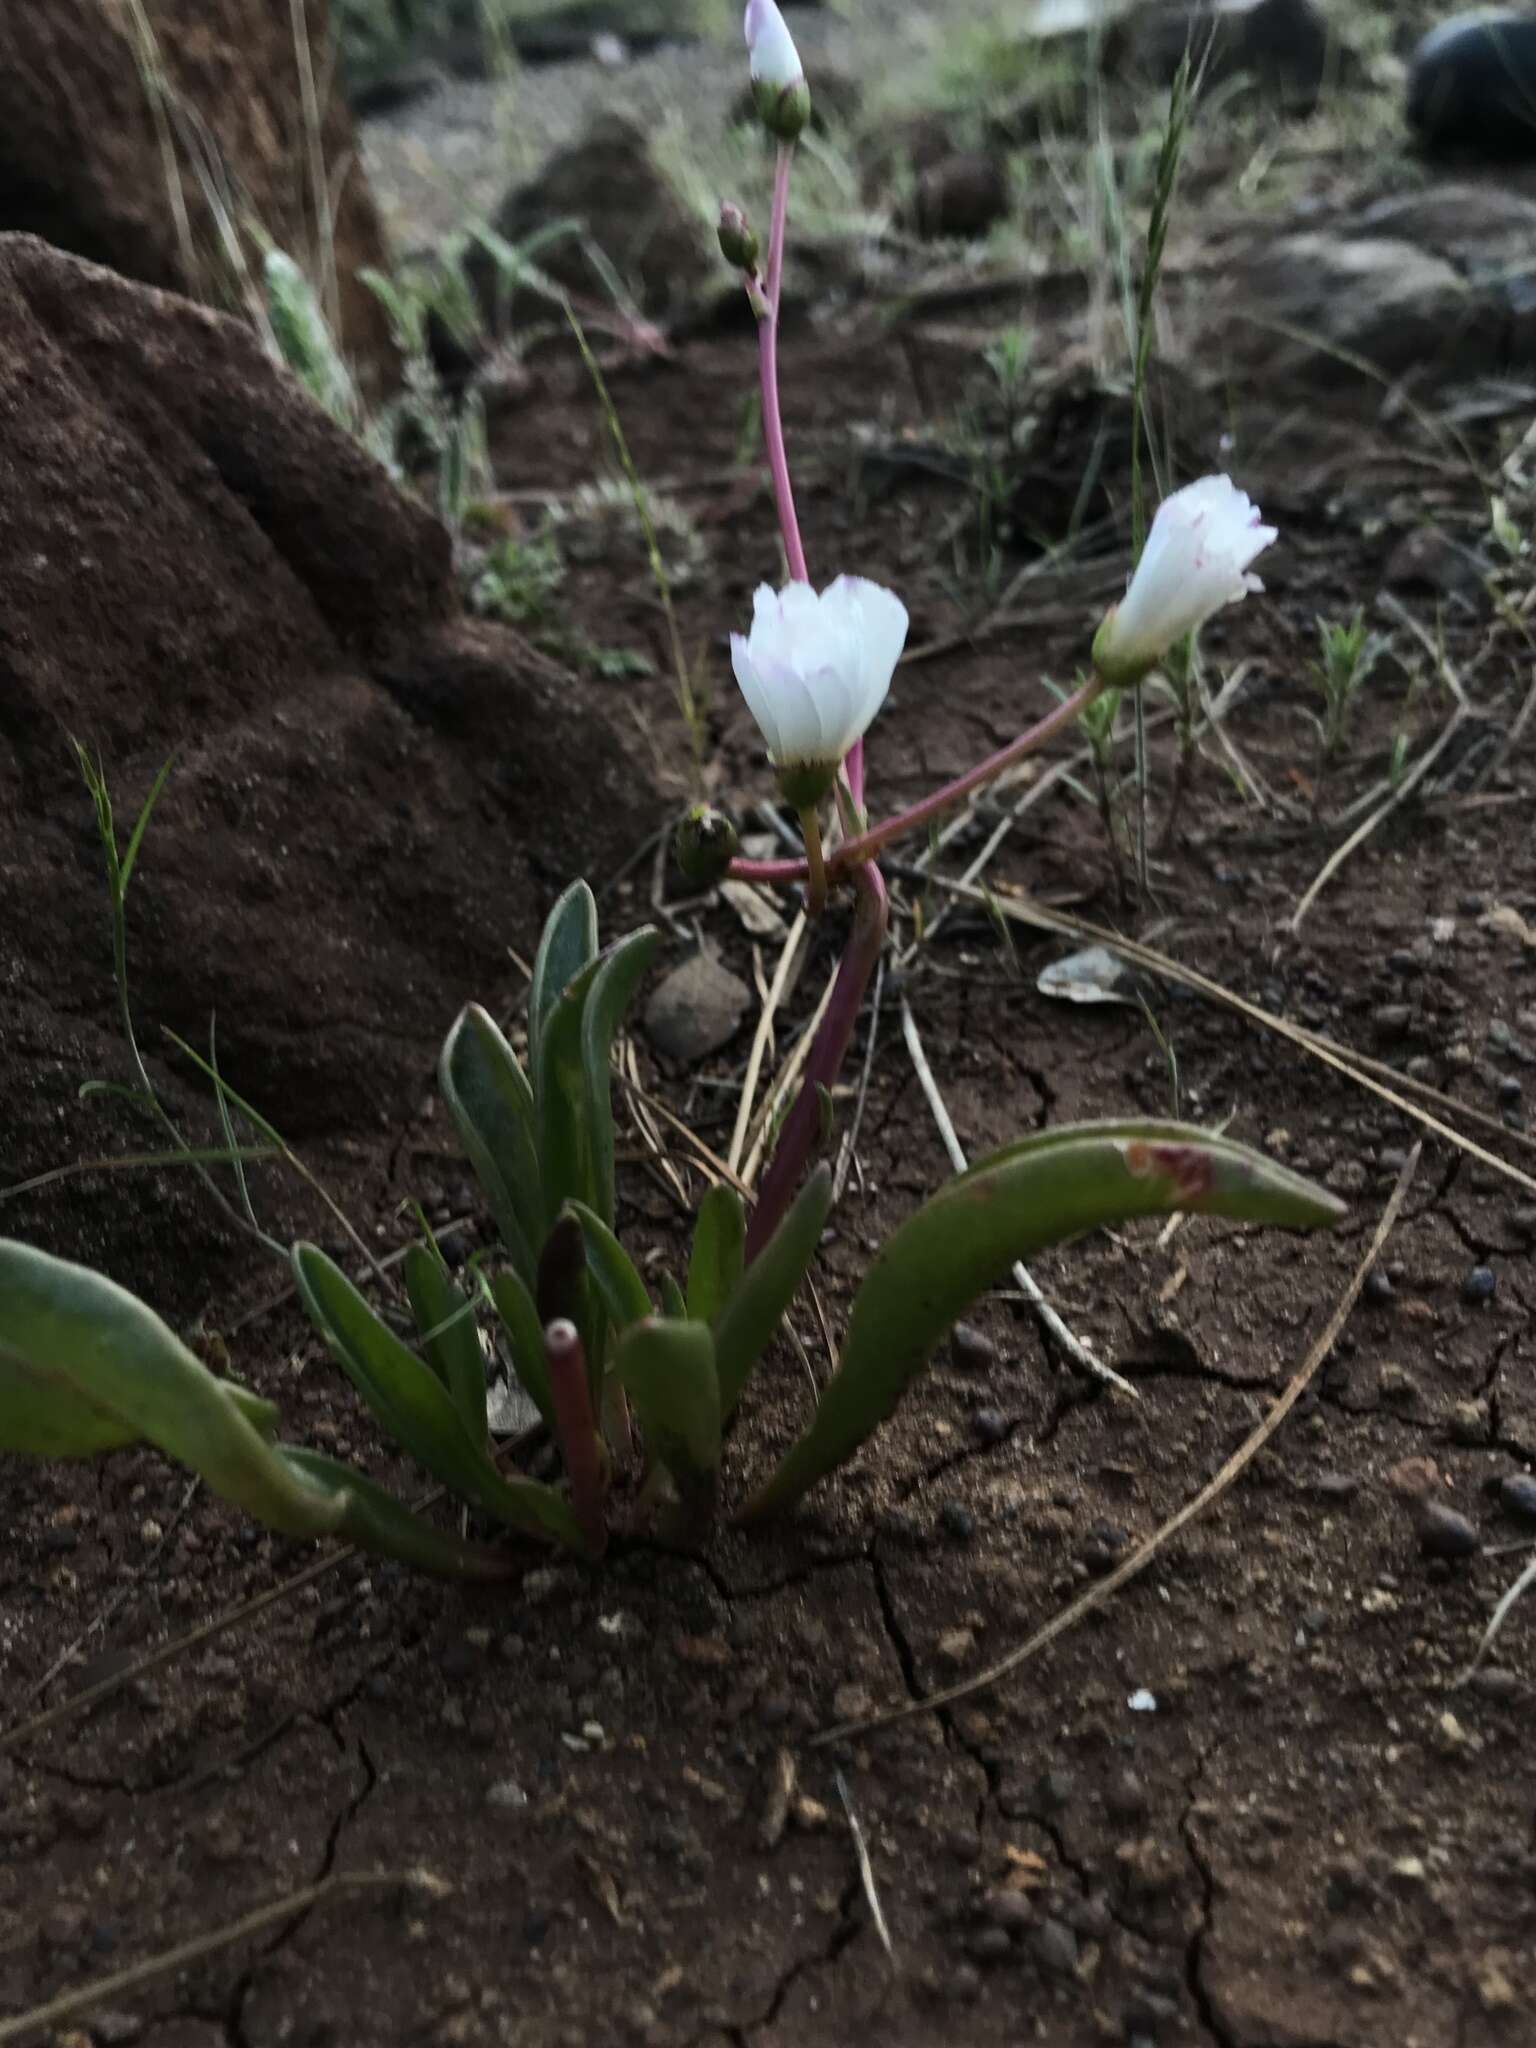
990 1944
971 1349
1469 1423
1377 1288
957 1521
1054 1944
1125 1798
1479 1285
991 1425
506 1796
1444 1532
1517 1495
1009 1910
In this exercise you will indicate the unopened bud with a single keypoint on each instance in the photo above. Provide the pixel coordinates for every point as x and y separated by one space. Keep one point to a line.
784 110
738 242
706 845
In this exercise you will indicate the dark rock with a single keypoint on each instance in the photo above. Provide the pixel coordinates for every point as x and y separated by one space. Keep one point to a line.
1479 1285
1378 1287
990 1944
611 183
1472 85
80 152
252 590
957 1521
696 1009
961 197
1102 1547
1429 559
1390 1020
990 1424
1125 1798
1286 49
1443 1532
1010 1910
1517 1495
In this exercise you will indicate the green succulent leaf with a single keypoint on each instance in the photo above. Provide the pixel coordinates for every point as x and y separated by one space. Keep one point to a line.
1040 1192
414 1406
668 1371
719 1252
376 1522
619 1286
525 1337
85 1366
567 944
746 1325
450 1338
673 1304
573 1085
491 1103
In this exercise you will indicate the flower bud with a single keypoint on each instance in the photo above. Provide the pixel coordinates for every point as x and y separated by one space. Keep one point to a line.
779 90
738 241
706 845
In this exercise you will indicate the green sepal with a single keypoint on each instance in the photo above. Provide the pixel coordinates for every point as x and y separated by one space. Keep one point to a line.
746 1325
1040 1192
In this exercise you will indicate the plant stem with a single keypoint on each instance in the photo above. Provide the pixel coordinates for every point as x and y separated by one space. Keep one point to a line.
768 366
815 863
855 853
799 1139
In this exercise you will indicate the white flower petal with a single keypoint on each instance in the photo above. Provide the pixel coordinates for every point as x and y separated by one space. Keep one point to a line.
770 47
1195 561
815 670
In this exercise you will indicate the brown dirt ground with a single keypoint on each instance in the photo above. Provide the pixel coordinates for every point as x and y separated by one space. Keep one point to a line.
1309 1844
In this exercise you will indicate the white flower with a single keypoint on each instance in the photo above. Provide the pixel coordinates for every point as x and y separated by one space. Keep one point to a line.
771 48
815 670
1195 561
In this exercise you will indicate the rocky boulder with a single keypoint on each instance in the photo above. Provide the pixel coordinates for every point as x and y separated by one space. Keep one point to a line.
370 802
113 145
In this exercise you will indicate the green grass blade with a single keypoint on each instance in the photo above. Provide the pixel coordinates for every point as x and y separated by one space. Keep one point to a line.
86 1366
718 1259
141 826
1041 1192
746 1325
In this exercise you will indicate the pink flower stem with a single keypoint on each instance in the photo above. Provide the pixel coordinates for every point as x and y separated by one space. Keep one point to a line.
854 853
802 1133
768 366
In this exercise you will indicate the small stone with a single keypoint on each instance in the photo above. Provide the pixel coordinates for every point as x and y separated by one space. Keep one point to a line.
1444 1532
972 1350
1469 1423
851 1703
1522 1220
1495 1683
1378 1287
990 1944
1010 1910
506 1796
1509 1091
150 1531
1102 1547
1053 1944
1053 1791
696 1009
1396 1385
961 198
1517 1495
1479 1285
957 1521
1333 1488
1348 1177
809 1814
1125 1799
1390 1020
962 1986
991 1425
956 1647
